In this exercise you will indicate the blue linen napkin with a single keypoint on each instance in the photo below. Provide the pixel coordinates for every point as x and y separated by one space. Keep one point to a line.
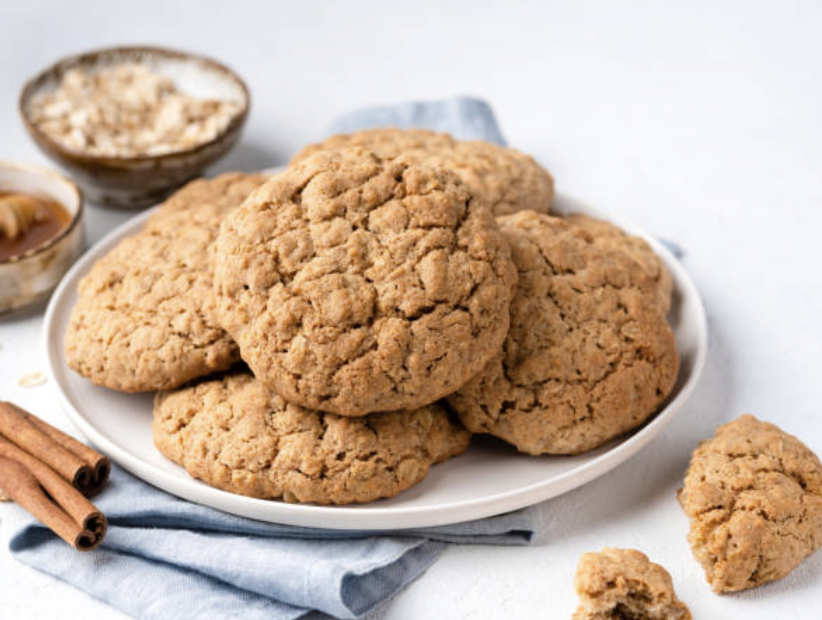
167 559
464 118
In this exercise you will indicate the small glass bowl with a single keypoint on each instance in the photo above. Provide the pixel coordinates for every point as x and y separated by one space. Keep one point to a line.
30 277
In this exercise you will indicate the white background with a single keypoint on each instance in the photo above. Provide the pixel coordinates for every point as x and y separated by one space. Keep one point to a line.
701 123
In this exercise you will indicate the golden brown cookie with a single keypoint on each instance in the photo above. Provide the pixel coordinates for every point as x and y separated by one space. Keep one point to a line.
388 142
606 234
144 318
354 283
624 583
753 494
234 434
589 355
505 179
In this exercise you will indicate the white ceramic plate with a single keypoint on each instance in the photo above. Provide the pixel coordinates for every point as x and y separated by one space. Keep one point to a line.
491 478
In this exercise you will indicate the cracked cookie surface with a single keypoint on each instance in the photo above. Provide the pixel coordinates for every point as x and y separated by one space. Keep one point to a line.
234 434
753 494
606 234
354 283
144 319
623 584
387 142
589 354
505 179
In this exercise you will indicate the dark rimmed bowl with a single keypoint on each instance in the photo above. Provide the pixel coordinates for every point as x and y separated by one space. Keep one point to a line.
30 277
140 181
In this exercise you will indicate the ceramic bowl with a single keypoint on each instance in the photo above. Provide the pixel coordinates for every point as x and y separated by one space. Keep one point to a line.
139 181
30 277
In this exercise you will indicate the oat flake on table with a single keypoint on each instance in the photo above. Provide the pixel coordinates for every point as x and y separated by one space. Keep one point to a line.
32 380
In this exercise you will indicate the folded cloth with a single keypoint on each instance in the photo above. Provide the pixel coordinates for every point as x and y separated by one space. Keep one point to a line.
463 117
167 559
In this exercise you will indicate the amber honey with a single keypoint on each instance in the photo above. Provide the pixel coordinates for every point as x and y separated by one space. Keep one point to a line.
49 219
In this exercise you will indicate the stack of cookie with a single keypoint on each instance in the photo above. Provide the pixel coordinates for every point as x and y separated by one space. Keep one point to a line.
387 294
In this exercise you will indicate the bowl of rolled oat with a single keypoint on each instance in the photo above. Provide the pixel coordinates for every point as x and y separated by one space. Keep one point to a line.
131 124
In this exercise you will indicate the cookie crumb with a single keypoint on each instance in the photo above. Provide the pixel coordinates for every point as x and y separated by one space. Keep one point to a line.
4 497
33 379
624 583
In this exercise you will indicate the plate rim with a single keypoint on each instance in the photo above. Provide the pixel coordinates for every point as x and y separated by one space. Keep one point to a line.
377 518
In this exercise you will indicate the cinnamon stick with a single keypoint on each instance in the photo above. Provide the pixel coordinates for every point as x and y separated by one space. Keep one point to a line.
99 463
18 427
57 504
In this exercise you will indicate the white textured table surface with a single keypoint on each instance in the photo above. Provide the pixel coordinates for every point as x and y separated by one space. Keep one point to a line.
700 124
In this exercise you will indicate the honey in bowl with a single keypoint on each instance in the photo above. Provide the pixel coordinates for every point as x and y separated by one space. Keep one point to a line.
28 222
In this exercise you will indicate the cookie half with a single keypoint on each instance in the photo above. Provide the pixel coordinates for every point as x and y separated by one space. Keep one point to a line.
144 319
354 283
505 179
753 494
234 434
589 354
624 583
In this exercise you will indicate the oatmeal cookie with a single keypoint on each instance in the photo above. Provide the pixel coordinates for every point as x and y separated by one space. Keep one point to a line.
753 494
589 355
606 234
144 318
234 434
388 142
354 283
505 179
624 583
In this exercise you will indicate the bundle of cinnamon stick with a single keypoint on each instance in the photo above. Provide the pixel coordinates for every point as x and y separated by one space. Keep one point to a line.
51 475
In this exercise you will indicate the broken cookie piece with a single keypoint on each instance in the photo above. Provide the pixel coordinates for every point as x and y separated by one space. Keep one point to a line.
617 584
753 494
